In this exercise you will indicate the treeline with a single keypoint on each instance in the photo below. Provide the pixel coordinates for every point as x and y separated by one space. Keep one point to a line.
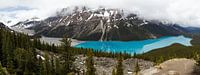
18 56
24 55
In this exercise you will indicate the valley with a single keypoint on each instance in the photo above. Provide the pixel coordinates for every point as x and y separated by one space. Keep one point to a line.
100 41
106 62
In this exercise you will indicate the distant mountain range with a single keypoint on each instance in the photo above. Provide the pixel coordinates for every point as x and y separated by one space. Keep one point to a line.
193 29
102 24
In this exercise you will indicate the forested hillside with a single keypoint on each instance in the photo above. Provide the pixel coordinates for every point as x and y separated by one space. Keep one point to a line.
21 54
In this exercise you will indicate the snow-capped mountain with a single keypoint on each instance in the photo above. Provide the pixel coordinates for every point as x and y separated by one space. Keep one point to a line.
101 24
27 23
3 26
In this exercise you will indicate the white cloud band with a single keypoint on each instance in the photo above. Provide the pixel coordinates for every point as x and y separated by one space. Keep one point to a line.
183 12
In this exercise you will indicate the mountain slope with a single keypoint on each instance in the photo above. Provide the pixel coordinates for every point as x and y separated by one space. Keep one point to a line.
193 29
102 24
3 26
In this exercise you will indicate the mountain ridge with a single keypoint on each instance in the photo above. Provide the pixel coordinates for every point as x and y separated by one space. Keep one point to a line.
101 24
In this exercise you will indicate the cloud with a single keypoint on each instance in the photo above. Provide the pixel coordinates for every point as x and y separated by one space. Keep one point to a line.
183 12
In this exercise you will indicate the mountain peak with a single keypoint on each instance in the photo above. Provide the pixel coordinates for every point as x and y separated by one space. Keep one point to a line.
100 24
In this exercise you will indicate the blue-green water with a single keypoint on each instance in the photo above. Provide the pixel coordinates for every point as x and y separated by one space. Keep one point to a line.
135 46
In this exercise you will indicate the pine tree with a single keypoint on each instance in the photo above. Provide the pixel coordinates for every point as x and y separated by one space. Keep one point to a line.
90 64
7 50
41 66
119 66
57 67
53 68
66 42
2 71
160 60
67 56
25 61
47 64
113 72
1 54
137 68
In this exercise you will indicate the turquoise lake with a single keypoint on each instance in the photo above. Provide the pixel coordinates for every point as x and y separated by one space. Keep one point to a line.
135 46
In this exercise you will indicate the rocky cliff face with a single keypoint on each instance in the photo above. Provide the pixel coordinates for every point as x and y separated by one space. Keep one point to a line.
101 24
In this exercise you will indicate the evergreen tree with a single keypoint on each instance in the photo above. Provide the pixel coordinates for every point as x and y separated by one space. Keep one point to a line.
47 66
120 66
57 67
2 71
25 61
90 64
113 72
41 67
52 64
137 68
159 60
67 56
7 50
1 54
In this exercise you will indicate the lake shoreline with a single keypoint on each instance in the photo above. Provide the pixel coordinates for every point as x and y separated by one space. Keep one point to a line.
76 42
134 46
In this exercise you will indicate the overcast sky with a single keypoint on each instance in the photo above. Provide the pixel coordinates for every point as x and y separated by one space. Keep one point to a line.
183 12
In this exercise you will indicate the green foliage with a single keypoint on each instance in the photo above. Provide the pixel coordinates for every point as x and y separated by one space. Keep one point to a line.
25 61
120 66
67 56
137 68
90 64
2 71
18 54
113 72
